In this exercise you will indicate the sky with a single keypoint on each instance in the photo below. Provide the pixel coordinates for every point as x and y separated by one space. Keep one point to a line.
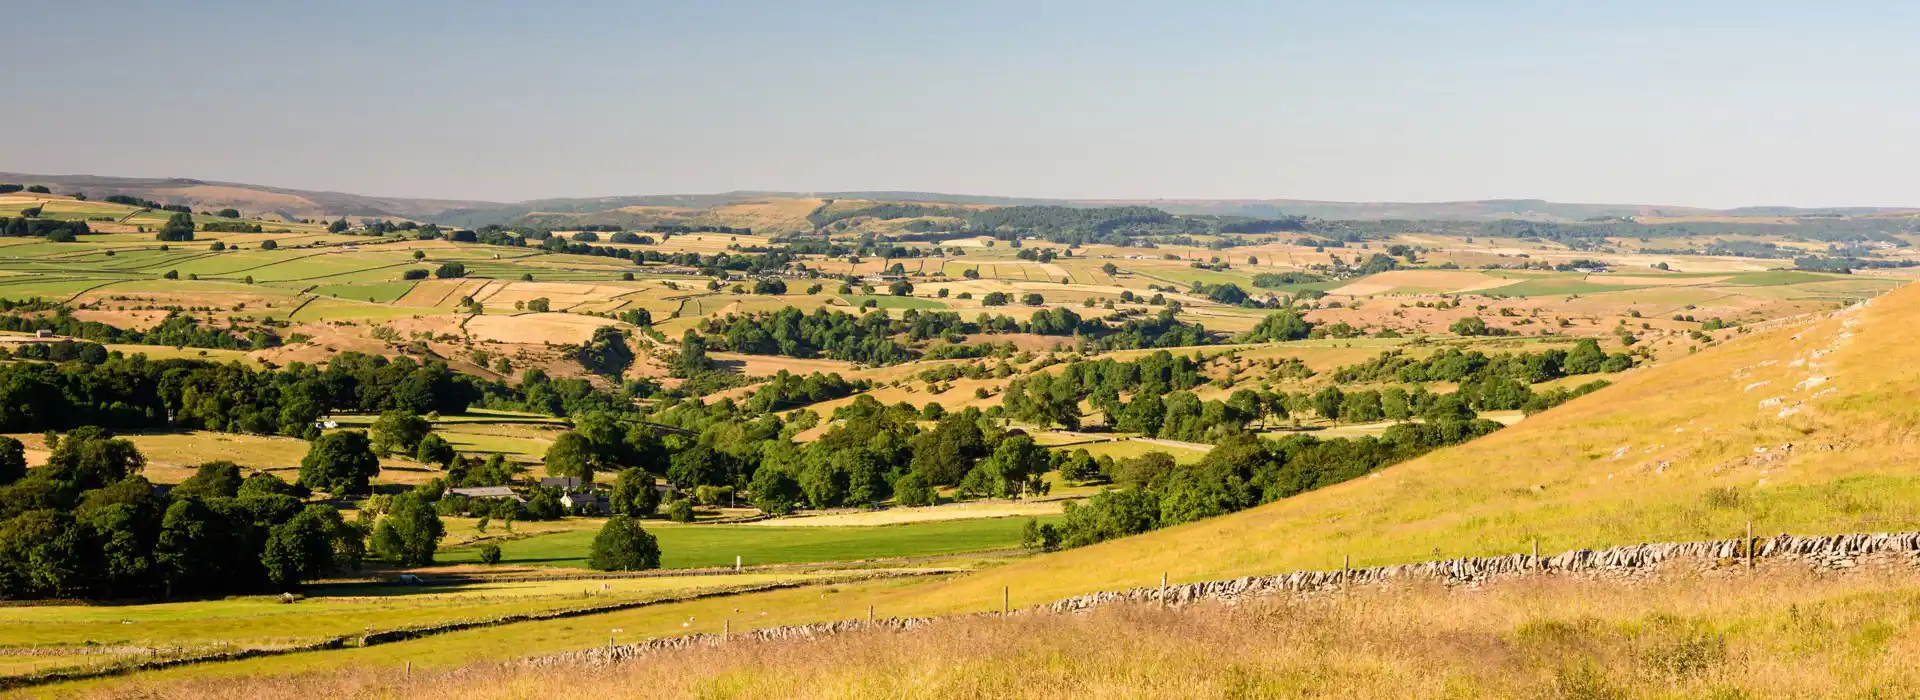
1704 103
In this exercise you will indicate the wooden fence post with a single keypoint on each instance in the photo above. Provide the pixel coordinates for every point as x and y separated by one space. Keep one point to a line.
869 614
1006 599
726 632
1163 589
1749 545
1537 564
1346 568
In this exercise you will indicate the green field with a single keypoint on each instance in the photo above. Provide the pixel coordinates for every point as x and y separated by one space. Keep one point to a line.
892 302
381 292
328 611
702 546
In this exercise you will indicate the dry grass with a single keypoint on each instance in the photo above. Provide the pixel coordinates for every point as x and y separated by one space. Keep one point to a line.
1782 634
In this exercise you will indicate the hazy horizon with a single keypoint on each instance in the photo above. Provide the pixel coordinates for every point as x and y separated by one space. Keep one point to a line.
1713 104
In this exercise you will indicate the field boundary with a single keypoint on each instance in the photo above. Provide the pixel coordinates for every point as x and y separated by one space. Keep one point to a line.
1621 564
409 633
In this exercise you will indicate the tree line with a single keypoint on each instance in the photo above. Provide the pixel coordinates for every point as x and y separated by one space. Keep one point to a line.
1240 472
136 393
87 525
176 330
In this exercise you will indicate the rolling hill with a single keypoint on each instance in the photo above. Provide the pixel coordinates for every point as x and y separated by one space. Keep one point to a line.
1801 427
696 209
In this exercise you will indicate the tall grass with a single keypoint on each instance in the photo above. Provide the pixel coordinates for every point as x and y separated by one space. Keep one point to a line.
1778 634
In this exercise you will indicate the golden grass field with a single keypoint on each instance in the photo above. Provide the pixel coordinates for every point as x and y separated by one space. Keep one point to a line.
1780 634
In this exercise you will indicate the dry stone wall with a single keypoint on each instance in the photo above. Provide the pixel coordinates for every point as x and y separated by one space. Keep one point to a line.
1627 563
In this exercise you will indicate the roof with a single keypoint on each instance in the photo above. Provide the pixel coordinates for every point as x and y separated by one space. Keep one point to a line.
583 497
565 482
485 492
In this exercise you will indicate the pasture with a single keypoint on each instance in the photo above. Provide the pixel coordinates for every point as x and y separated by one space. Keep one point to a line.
709 546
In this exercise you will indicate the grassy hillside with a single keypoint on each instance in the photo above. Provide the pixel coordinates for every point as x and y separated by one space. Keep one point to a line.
1694 449
1779 635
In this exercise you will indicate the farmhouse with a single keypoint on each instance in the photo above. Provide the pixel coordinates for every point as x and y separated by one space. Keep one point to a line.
584 503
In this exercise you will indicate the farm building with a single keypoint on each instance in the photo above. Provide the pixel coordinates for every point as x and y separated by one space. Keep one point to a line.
487 492
565 483
585 503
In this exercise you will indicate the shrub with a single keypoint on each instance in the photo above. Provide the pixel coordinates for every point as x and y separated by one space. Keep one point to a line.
680 511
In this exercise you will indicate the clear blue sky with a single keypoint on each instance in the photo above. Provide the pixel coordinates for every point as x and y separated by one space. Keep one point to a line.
1690 103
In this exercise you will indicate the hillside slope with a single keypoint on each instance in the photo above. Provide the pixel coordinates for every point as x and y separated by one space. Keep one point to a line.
1802 429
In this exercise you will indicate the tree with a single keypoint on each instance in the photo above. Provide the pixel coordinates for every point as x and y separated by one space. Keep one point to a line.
1469 326
606 353
489 554
1586 357
90 457
41 550
1327 403
634 494
211 480
268 245
409 533
434 449
1109 268
450 270
302 548
623 545
1280 326
1041 536
179 227
399 431
775 491
1079 466
229 213
573 455
680 511
340 462
1004 473
188 550
337 226
692 360
265 484
13 460
901 288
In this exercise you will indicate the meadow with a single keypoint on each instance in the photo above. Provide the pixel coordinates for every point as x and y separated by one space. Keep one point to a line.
711 546
1777 635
